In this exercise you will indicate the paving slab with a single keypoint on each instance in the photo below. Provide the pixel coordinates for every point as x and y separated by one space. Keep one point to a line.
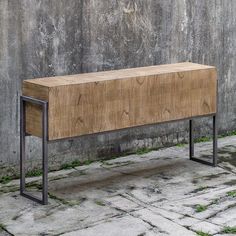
207 227
162 224
122 203
226 217
51 219
123 226
224 235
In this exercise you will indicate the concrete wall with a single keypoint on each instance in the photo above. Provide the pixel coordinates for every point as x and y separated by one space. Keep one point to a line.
41 38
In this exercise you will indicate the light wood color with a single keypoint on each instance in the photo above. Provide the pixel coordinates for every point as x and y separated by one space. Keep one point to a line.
104 101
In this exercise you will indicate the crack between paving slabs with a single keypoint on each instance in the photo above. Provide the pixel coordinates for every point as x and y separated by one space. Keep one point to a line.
91 225
226 169
220 211
3 229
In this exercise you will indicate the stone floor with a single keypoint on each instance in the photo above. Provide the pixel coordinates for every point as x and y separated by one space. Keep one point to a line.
158 193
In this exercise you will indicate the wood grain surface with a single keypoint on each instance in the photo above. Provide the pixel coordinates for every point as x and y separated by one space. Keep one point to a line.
104 101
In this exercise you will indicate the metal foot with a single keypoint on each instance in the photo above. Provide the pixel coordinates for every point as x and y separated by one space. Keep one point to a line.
191 144
44 104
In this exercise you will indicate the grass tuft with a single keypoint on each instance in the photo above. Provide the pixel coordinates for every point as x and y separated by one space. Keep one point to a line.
231 193
229 230
201 208
202 140
34 173
201 188
66 202
100 203
228 134
75 163
61 200
2 227
200 233
88 162
66 166
6 179
142 151
215 201
180 144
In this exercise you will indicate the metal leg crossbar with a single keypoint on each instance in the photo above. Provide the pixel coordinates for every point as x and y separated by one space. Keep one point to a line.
191 144
44 105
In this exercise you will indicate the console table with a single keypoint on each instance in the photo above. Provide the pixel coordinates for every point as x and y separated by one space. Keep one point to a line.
64 107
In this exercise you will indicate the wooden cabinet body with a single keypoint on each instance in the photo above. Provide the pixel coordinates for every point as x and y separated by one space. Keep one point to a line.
105 101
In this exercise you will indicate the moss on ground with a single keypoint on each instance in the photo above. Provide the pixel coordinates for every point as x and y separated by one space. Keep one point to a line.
2 227
66 202
100 203
6 179
180 144
201 233
200 208
142 151
34 173
229 230
202 139
231 194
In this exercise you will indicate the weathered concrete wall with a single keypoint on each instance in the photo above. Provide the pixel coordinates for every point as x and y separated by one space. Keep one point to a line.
41 38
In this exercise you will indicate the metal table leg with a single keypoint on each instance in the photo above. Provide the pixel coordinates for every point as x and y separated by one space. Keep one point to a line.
191 144
44 105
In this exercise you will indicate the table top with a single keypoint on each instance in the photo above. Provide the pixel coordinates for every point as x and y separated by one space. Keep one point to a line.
117 74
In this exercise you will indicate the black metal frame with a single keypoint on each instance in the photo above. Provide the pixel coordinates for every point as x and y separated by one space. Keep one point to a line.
45 141
44 105
191 144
